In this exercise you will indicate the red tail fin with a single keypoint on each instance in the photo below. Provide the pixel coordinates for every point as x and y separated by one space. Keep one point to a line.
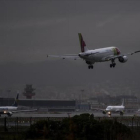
82 42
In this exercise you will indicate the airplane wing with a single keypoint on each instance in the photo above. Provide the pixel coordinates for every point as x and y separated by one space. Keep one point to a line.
17 111
67 56
98 109
133 52
118 110
121 55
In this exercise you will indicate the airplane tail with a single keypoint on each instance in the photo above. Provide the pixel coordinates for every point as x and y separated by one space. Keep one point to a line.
82 43
122 102
16 101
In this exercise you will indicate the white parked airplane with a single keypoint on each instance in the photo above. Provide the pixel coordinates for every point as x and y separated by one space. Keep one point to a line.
9 110
113 109
97 55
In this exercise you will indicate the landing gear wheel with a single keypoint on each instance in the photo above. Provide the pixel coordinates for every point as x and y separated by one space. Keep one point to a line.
90 66
112 65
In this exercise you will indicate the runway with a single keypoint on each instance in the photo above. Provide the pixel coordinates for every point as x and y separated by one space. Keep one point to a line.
26 119
67 114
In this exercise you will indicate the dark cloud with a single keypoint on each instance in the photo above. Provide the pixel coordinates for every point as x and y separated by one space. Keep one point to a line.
29 30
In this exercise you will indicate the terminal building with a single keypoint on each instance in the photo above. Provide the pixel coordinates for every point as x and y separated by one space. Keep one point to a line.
131 104
46 105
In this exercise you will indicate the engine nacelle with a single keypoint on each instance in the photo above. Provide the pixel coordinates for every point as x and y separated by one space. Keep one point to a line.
121 113
104 112
123 59
9 114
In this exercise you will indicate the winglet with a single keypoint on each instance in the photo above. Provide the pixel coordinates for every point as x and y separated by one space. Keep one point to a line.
82 43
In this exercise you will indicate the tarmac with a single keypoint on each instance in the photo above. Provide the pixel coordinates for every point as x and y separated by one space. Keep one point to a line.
68 114
28 118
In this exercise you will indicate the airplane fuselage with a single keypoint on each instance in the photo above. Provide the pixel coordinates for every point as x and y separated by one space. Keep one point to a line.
99 55
115 109
6 108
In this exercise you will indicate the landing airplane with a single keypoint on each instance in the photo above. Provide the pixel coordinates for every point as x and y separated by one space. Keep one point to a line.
9 110
116 109
97 55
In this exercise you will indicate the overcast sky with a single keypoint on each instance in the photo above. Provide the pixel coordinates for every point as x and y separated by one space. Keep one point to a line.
29 30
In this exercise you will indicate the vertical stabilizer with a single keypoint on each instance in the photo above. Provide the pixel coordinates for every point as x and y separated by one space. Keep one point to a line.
82 43
122 102
16 101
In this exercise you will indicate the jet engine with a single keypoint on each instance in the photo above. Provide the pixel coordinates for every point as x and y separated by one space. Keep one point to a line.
121 113
104 112
123 59
9 114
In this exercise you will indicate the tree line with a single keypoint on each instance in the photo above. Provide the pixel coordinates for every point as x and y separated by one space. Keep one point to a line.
79 127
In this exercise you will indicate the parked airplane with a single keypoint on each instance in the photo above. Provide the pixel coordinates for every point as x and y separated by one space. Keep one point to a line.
116 109
9 110
97 55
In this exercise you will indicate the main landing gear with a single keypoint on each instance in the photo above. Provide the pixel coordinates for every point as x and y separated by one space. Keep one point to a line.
90 67
113 64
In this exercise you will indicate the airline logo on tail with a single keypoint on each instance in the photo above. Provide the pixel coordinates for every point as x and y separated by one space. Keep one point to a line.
82 42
